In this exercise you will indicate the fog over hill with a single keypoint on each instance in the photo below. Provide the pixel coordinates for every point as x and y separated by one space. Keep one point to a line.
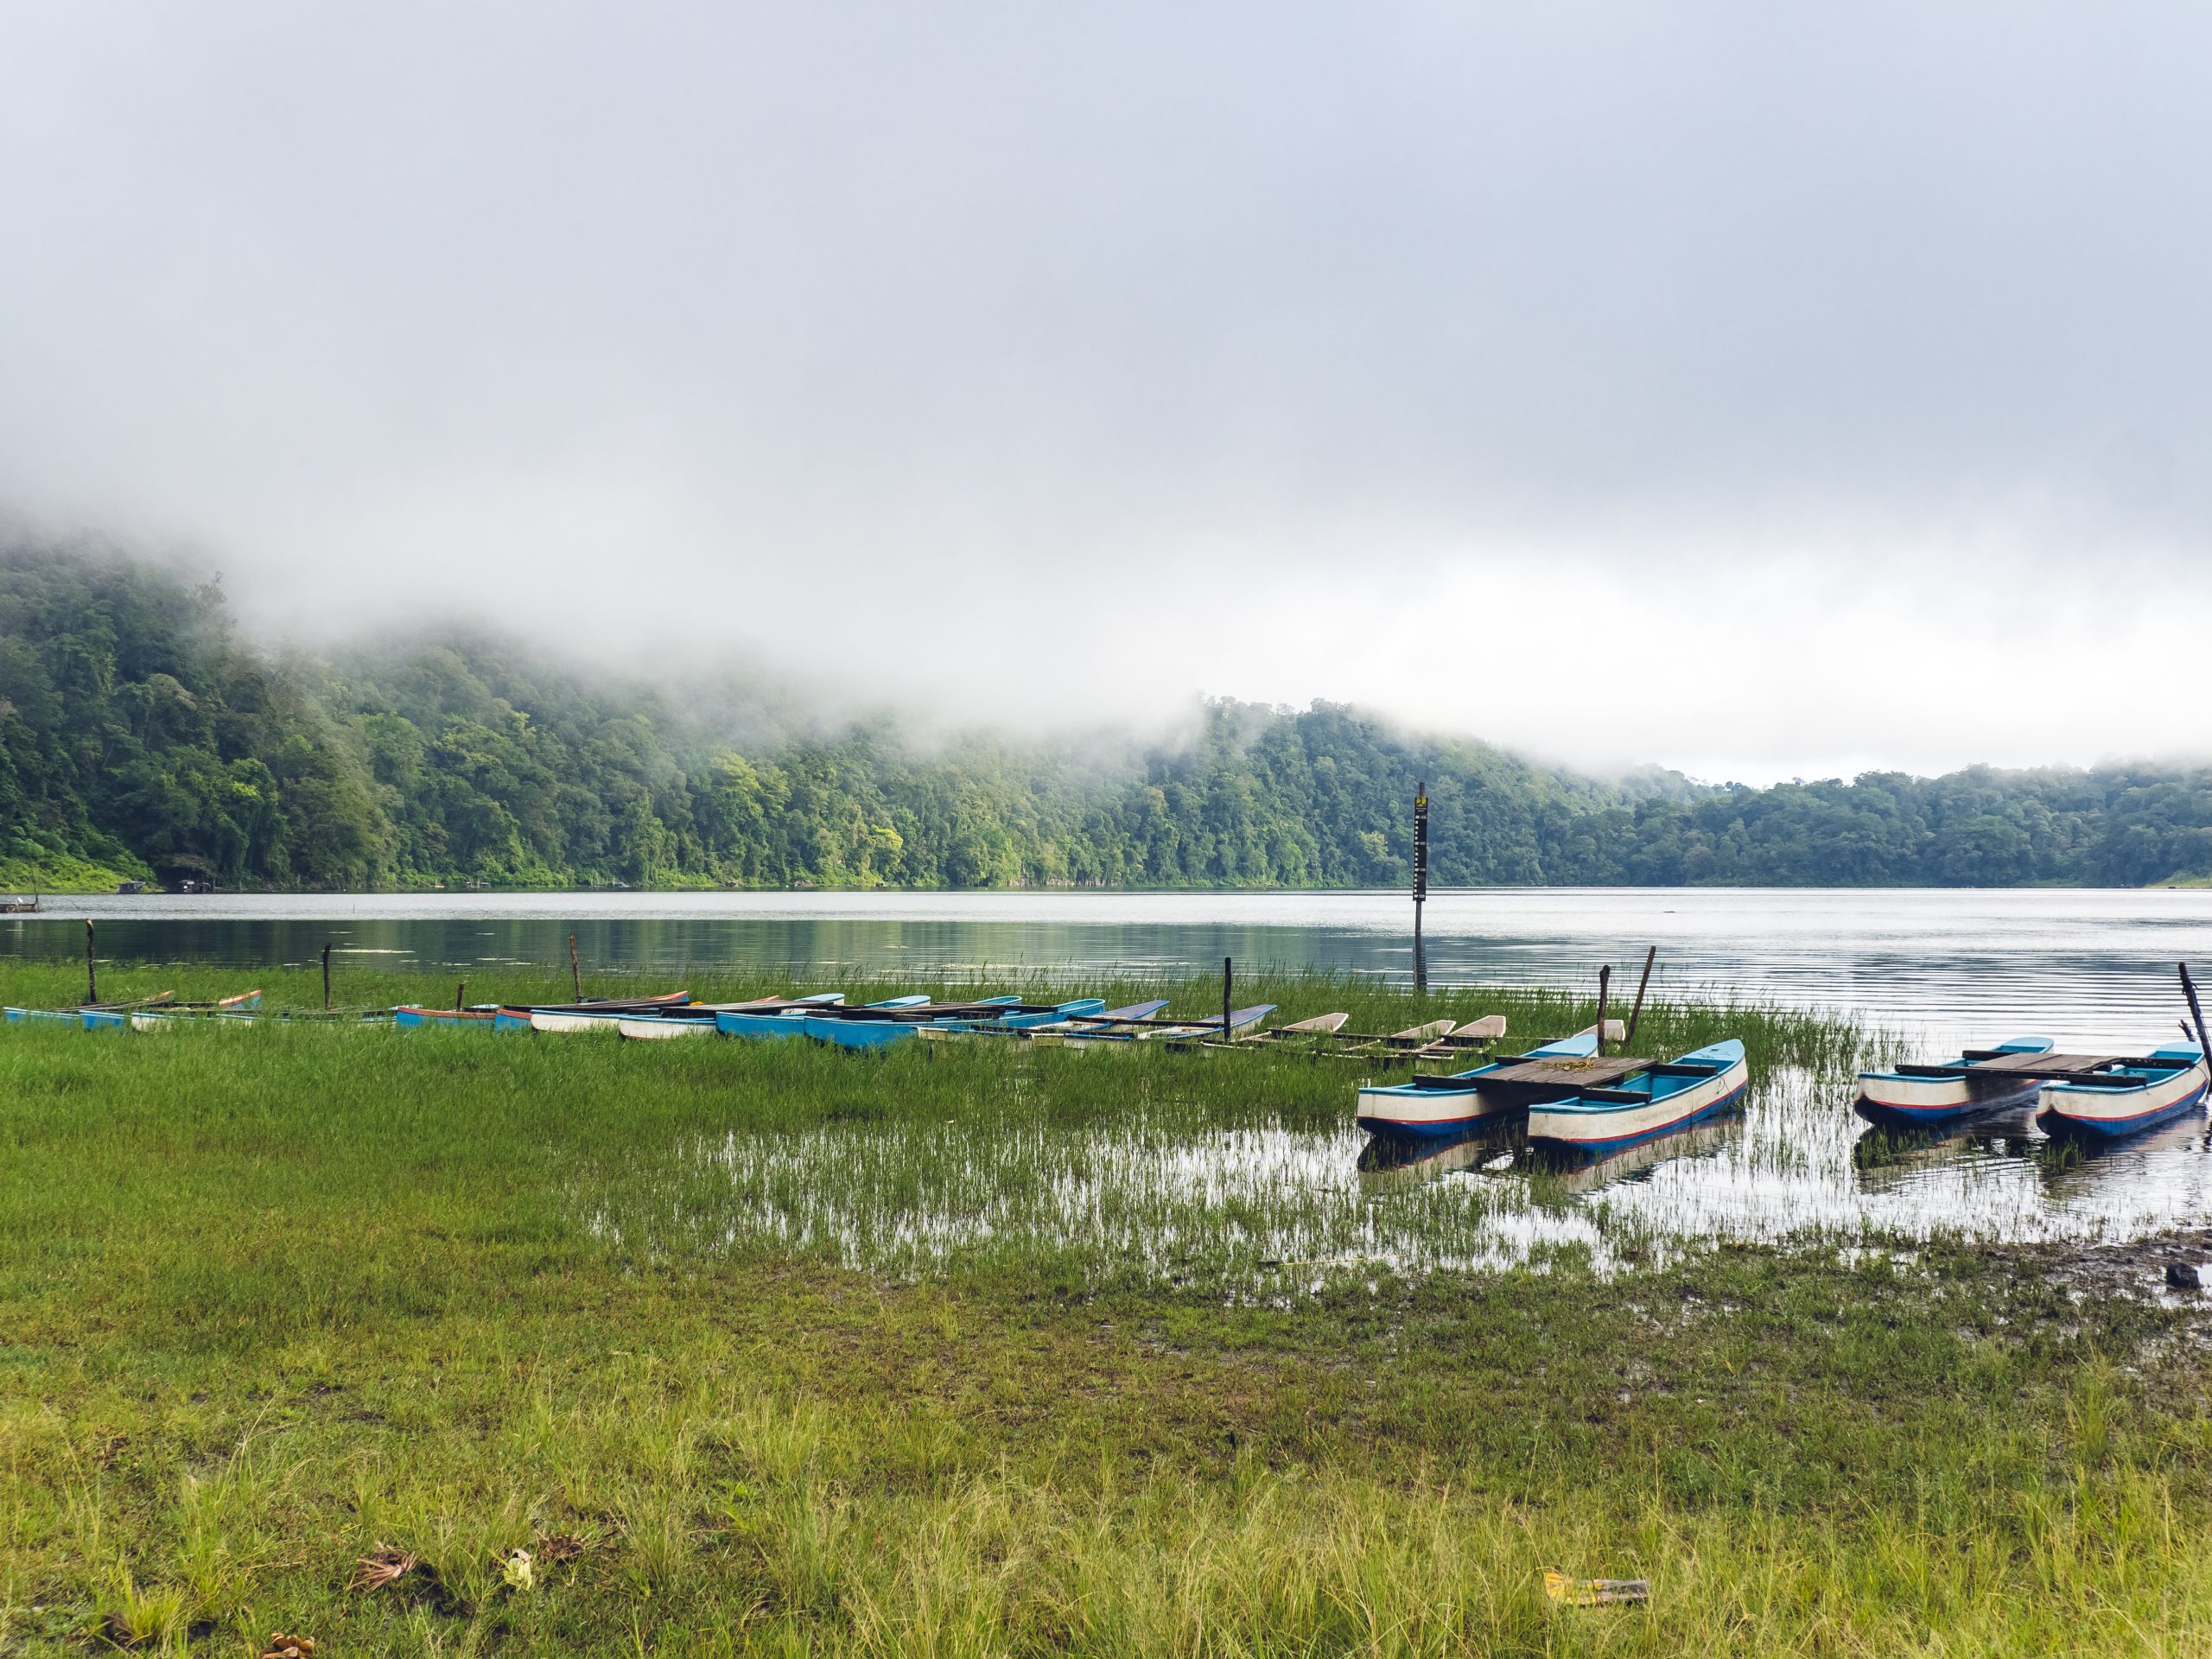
1758 391
142 733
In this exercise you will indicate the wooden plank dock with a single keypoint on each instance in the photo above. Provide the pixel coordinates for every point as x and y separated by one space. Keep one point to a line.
1548 1076
2059 1068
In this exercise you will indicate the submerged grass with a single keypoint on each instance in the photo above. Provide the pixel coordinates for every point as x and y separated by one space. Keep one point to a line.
272 1297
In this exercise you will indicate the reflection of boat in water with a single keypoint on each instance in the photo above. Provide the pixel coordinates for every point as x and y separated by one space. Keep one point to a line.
1390 1161
1576 1174
2063 1163
1886 1159
1979 1080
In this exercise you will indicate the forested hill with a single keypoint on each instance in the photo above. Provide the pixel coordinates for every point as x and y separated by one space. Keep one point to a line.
140 735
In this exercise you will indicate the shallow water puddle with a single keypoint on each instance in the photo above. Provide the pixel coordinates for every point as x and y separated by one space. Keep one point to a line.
1268 1209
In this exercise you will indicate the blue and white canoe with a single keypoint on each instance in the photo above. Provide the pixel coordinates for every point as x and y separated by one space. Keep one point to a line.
1105 1021
828 1020
876 1025
1021 1016
699 1019
1655 1101
1457 1103
2126 1097
590 1015
1203 1032
707 1015
1088 1021
910 1023
117 1016
1979 1080
99 1017
483 1016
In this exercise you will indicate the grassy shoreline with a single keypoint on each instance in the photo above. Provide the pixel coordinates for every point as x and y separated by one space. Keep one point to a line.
269 1298
63 875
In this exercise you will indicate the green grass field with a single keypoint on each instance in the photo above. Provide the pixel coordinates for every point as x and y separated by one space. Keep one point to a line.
272 1297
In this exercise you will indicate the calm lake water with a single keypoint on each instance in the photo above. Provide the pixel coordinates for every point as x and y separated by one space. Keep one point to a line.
1936 968
1945 965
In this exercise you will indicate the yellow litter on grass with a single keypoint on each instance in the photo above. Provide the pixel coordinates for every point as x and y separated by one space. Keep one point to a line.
1592 1592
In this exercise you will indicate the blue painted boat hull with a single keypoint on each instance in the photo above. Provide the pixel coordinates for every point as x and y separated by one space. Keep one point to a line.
1590 1149
1939 1117
416 1018
1584 1125
2057 1124
857 1033
760 1025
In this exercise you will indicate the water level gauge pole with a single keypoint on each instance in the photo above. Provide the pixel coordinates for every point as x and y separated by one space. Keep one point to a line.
1420 883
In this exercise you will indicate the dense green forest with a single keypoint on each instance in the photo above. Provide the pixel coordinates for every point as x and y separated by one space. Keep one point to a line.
141 736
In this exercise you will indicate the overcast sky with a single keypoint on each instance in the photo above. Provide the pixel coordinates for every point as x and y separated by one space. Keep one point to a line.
1763 389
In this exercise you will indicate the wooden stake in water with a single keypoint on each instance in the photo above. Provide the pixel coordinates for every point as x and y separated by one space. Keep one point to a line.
325 979
575 969
1605 983
1228 973
2189 990
1636 1013
91 969
459 992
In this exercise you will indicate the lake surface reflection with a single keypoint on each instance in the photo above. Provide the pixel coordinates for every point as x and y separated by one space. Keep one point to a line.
1947 965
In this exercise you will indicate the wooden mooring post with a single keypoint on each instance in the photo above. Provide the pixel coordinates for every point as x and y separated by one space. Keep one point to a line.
325 979
1635 1013
2189 990
575 970
459 995
1604 983
92 968
1228 978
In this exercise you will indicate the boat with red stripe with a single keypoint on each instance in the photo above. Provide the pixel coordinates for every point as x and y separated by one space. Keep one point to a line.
1656 1100
1980 1080
2126 1097
1464 1101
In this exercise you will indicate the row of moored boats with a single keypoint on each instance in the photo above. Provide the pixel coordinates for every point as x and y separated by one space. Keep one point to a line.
1573 1096
2104 1096
1567 1094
